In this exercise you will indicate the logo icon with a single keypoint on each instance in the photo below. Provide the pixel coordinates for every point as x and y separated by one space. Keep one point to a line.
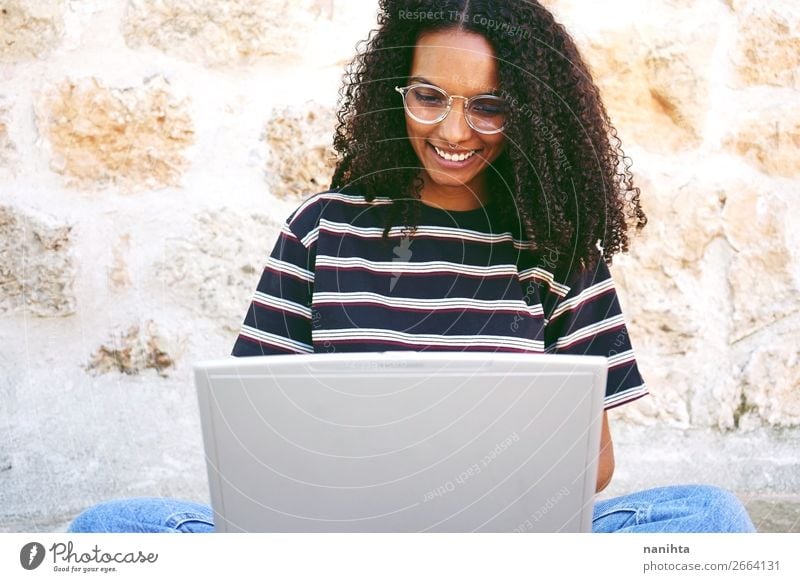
31 555
403 254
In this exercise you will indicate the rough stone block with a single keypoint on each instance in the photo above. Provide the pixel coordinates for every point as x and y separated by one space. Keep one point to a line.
30 28
8 151
764 275
302 158
654 89
134 351
768 43
673 293
134 138
660 276
221 33
767 135
37 271
215 270
119 276
652 71
771 385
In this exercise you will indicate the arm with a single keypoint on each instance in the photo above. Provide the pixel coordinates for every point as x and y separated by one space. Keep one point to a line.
278 320
605 468
585 318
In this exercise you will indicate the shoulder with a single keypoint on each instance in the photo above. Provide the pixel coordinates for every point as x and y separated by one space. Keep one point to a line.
331 204
576 277
562 284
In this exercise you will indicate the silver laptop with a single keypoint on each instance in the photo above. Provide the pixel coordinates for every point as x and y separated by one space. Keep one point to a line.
402 441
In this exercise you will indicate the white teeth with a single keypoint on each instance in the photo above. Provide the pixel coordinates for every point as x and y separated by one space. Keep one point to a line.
454 158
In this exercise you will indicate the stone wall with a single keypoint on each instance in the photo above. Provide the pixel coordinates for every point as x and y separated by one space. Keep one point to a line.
705 97
149 151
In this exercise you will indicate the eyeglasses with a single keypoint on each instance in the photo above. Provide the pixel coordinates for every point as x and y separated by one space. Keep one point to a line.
429 104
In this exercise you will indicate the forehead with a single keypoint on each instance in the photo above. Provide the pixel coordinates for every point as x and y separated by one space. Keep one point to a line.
457 61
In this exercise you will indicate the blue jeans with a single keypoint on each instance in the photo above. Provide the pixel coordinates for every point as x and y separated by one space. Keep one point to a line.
677 509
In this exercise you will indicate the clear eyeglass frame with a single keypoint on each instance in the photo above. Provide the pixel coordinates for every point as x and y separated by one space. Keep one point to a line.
468 101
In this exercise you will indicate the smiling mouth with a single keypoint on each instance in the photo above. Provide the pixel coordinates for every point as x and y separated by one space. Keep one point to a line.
454 157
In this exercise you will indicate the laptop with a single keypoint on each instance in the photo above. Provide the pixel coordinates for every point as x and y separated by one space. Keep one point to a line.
402 441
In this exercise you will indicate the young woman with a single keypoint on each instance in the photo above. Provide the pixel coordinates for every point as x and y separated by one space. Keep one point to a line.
480 195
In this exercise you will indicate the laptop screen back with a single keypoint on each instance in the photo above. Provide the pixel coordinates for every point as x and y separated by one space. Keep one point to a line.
402 441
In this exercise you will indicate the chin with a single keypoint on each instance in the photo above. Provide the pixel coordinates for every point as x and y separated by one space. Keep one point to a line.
442 178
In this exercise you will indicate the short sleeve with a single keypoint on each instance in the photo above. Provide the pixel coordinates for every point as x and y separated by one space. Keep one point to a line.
587 320
278 320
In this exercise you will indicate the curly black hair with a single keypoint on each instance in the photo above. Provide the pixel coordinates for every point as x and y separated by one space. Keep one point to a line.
563 181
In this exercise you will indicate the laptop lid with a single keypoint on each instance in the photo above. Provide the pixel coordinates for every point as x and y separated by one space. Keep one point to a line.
402 441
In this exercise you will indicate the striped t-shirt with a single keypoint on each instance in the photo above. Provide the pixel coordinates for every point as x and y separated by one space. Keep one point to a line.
457 284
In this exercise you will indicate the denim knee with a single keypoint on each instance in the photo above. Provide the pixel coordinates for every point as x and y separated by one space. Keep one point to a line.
725 509
703 508
677 508
91 520
144 515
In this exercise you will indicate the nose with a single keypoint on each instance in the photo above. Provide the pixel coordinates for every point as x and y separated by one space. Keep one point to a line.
454 128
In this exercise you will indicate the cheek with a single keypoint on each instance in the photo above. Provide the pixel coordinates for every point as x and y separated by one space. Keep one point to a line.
494 148
417 132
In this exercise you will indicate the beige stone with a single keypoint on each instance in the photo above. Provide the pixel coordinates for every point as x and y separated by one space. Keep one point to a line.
134 138
662 331
301 156
222 33
767 135
657 307
30 28
768 43
667 287
717 265
214 272
670 388
771 384
653 69
763 275
8 151
133 351
37 270
684 216
119 275
653 83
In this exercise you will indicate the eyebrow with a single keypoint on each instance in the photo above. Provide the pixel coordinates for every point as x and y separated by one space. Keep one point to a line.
426 81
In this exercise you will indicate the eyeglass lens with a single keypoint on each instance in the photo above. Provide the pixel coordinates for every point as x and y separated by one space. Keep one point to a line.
429 104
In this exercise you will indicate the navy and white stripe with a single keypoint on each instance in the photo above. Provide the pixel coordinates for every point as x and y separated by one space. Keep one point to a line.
331 284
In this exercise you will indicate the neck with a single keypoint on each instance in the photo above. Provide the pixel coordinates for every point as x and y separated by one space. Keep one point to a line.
466 197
